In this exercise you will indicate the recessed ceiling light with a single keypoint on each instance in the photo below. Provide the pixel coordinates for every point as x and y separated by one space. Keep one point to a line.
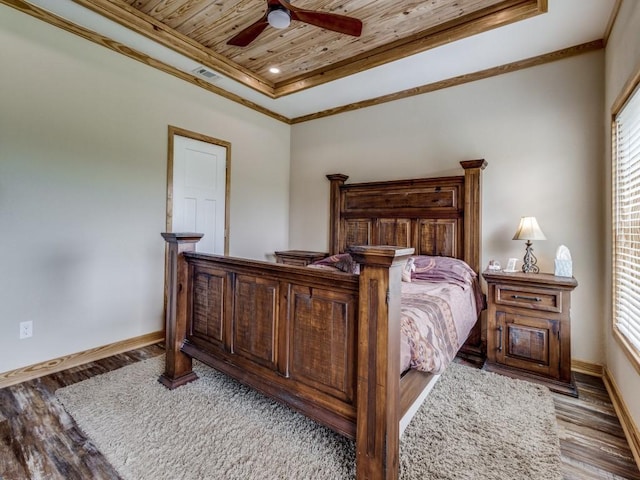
274 70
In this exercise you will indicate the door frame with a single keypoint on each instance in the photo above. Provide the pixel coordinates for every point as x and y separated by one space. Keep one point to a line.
173 131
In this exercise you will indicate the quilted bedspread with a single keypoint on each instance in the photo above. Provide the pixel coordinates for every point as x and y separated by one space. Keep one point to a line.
436 320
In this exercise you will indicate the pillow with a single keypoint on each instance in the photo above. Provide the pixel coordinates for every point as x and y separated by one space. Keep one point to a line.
342 261
443 269
409 267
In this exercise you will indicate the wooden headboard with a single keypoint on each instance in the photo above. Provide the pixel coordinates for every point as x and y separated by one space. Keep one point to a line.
435 216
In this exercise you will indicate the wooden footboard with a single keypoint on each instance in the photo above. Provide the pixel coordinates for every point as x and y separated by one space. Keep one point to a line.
325 344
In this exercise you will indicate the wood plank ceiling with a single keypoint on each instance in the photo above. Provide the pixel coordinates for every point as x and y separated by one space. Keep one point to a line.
306 55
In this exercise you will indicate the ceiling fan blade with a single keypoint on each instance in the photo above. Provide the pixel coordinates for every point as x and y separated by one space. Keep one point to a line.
249 34
329 21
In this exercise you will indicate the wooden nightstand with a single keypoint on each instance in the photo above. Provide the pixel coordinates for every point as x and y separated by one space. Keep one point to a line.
529 327
299 257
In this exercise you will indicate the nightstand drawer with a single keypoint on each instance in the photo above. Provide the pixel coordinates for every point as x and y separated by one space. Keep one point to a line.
531 298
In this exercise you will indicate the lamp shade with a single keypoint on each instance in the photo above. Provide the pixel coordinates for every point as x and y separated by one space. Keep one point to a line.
529 230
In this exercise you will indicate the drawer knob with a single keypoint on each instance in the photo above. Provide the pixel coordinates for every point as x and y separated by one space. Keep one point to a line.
524 297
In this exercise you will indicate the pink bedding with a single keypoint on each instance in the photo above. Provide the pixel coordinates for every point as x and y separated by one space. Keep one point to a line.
436 320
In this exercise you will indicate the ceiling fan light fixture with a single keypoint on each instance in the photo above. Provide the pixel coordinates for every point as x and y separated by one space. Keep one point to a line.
279 18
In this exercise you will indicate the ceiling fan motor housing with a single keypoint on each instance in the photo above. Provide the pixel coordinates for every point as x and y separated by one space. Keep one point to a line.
278 17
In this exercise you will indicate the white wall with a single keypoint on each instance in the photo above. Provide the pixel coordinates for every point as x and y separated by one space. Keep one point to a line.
83 155
622 63
540 130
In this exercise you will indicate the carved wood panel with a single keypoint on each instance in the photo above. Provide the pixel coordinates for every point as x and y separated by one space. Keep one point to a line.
254 330
356 232
208 305
394 231
530 343
322 332
431 197
438 237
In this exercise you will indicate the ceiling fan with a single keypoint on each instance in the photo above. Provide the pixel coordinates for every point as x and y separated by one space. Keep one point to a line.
280 13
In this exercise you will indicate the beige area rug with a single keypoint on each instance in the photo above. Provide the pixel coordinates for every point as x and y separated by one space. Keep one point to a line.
474 425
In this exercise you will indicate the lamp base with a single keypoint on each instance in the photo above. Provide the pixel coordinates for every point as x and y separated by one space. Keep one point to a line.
530 260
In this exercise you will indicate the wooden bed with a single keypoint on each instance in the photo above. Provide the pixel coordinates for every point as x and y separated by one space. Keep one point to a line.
326 344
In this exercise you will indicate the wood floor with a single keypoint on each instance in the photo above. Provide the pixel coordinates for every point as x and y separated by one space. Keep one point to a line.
38 440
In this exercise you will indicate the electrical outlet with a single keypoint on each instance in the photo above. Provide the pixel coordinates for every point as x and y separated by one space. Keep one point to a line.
26 329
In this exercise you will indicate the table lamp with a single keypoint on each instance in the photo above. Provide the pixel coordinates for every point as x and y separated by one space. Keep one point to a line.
529 230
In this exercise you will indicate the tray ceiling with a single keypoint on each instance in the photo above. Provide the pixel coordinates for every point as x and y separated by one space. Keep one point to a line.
307 55
406 48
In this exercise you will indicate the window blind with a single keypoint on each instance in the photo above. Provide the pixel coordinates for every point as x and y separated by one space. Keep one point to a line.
626 218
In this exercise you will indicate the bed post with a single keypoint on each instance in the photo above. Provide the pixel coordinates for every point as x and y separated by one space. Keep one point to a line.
177 365
378 385
337 180
473 239
473 211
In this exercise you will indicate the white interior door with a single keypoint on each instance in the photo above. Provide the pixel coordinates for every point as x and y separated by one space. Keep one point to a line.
199 191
